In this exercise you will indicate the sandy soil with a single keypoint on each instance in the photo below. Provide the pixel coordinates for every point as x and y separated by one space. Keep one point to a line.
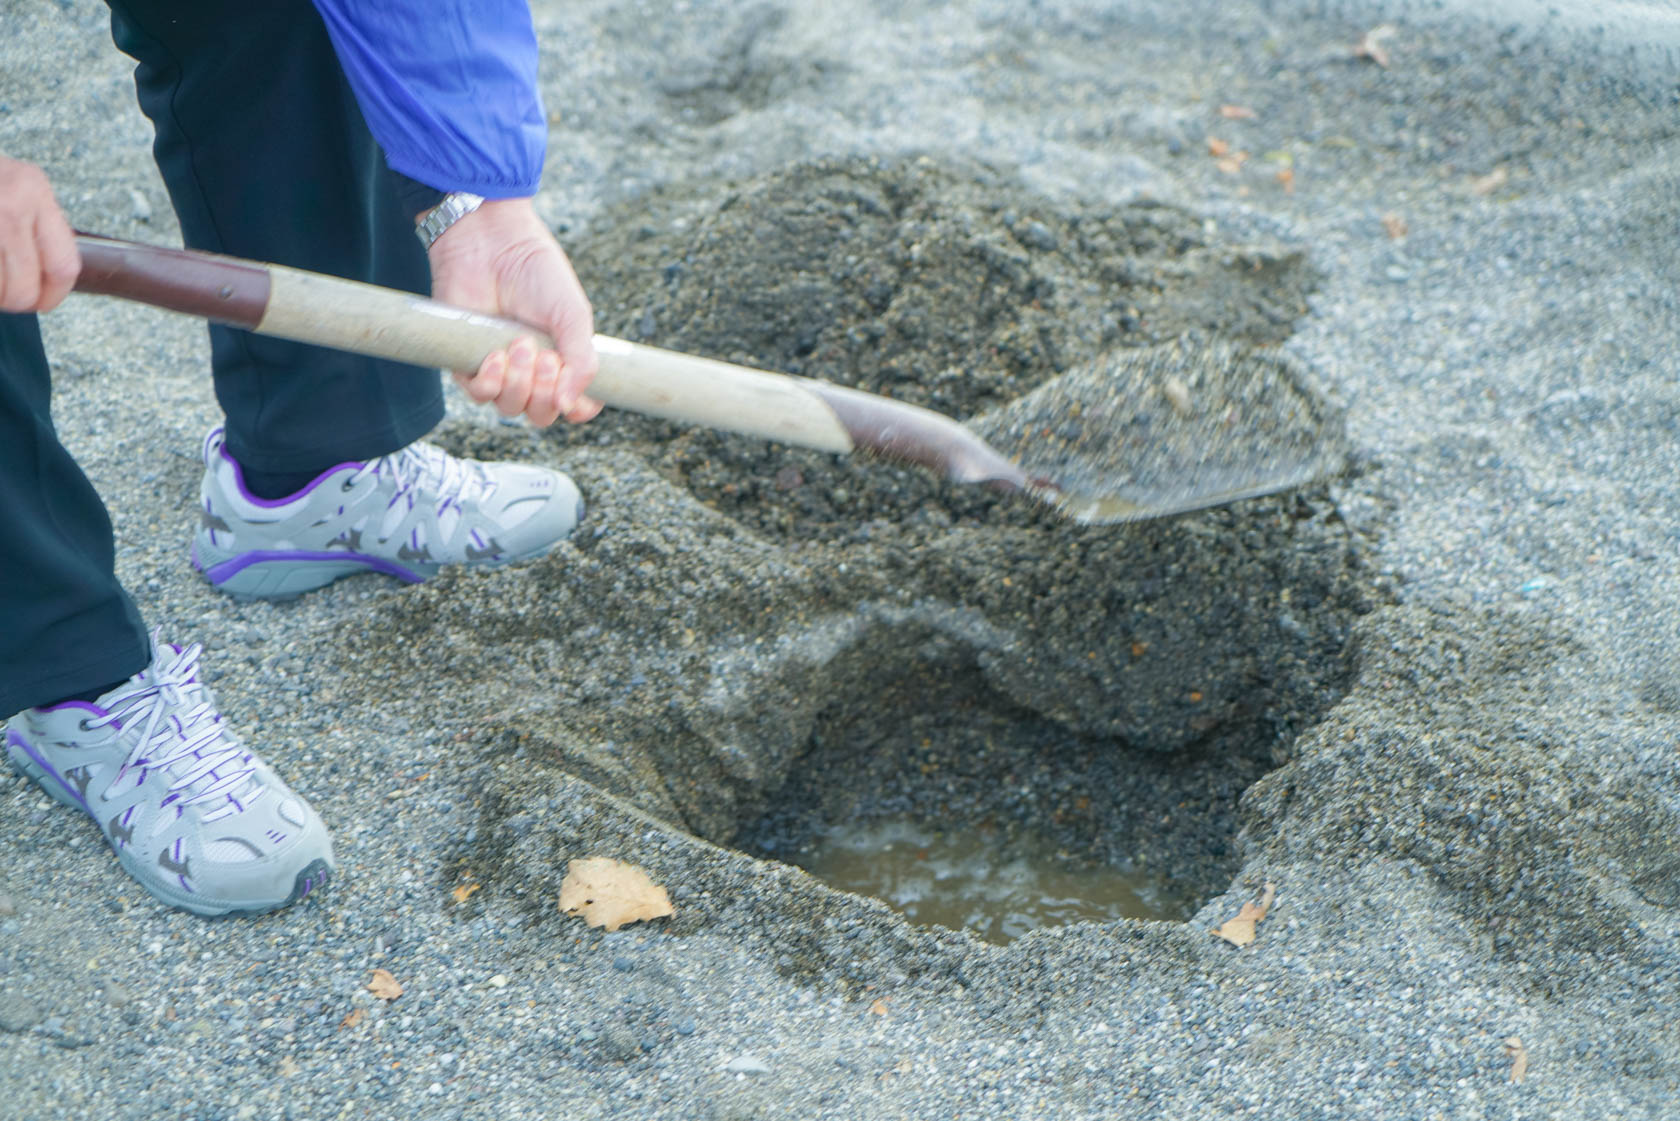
1431 700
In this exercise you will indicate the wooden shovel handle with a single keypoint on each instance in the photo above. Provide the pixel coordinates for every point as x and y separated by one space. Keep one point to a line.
381 322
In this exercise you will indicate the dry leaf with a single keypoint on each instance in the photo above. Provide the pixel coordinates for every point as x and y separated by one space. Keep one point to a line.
1394 226
1232 163
384 986
1518 1054
1286 179
610 893
354 1018
1237 113
1240 931
1217 147
1484 185
1370 44
464 892
879 1008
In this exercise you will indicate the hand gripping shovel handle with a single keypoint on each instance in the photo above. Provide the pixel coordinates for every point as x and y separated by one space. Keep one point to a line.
365 319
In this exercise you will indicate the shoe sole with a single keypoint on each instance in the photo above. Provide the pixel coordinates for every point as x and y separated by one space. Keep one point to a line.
287 575
314 876
281 576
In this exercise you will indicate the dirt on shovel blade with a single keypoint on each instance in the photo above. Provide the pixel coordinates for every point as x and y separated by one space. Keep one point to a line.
1141 433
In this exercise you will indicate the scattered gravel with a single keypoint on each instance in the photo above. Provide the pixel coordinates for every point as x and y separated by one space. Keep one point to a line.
1454 758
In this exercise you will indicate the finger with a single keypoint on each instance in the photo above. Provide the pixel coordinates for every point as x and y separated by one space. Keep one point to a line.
544 408
516 383
587 408
61 261
20 287
487 382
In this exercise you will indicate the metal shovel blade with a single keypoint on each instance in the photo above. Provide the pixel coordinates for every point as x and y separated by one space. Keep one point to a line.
1148 432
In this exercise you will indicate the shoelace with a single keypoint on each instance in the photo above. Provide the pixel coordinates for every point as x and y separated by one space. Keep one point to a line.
426 468
178 723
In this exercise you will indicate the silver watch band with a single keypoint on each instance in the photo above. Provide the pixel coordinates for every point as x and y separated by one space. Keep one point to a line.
455 206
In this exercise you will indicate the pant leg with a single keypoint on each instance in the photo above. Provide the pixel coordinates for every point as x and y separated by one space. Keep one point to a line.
66 625
266 155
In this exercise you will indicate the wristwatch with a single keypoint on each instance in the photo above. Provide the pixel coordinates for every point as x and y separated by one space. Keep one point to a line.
455 206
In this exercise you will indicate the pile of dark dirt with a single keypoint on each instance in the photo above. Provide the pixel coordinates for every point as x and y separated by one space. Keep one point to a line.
947 286
740 627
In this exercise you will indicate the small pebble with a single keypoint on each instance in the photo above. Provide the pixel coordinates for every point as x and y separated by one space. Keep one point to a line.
623 964
685 1027
618 1042
18 1014
747 1063
1036 235
8 906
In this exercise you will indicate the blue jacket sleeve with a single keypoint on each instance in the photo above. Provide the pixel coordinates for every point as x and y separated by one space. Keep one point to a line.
448 88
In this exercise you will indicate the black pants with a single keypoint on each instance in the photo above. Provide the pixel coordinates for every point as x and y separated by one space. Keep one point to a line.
265 155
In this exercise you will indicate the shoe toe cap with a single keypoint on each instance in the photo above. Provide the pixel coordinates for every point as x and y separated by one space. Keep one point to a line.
543 507
260 859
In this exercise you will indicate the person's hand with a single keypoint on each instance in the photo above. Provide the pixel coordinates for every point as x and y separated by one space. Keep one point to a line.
501 259
38 257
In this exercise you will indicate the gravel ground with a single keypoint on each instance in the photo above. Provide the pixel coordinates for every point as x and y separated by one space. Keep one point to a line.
1432 701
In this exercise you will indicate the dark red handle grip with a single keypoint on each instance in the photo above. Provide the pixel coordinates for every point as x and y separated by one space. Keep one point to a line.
223 289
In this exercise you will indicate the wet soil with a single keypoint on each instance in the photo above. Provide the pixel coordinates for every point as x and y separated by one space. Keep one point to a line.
754 644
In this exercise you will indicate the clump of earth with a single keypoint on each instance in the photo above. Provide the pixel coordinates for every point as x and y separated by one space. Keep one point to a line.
748 642
947 286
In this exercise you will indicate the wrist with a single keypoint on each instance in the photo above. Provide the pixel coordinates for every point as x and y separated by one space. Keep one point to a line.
497 226
432 224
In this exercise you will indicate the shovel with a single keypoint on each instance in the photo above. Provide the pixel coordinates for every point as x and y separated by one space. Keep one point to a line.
1135 435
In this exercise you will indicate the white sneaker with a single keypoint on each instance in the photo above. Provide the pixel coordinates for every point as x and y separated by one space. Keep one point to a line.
406 514
194 816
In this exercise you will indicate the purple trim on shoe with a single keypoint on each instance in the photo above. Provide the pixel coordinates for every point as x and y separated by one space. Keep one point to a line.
272 503
15 740
228 569
312 877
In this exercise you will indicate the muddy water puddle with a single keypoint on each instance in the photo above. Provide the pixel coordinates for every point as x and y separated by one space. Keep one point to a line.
975 880
959 808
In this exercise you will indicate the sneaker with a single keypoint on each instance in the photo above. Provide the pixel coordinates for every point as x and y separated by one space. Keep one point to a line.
406 514
199 820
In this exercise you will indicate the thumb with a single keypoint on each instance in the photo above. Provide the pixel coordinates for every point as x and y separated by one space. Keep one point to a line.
571 324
